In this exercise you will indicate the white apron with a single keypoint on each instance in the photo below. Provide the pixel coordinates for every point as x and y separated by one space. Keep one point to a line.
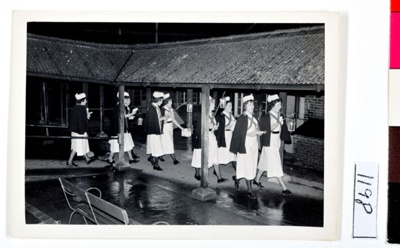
270 159
80 146
128 143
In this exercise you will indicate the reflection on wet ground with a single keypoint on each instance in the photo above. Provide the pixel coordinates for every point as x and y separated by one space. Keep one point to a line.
149 199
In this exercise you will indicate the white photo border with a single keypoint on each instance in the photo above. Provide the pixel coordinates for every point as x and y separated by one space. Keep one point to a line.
16 225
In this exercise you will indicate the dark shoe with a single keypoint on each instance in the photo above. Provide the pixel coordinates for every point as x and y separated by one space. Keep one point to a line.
133 161
88 161
135 156
258 184
157 167
236 182
176 162
161 159
251 196
222 180
197 177
287 192
71 164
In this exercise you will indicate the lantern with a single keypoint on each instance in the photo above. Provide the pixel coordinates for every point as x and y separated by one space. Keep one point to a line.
291 123
189 108
140 121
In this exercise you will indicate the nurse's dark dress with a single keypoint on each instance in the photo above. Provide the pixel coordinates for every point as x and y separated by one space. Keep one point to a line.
78 125
224 136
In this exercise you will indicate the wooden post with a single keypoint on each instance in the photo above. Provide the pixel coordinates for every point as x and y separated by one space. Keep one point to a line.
205 110
283 96
67 104
189 119
177 102
215 96
101 134
204 193
121 123
45 102
85 89
62 101
46 106
148 97
42 104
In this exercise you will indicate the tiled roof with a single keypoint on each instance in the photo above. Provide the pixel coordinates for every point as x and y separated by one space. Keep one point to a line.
66 58
289 57
285 57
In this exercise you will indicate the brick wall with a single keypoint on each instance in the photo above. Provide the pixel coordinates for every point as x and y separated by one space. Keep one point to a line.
314 107
309 152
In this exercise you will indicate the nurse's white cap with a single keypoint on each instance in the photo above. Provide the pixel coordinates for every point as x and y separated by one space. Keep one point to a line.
271 98
248 98
80 96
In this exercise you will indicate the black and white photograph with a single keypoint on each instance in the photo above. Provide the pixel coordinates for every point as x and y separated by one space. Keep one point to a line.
179 124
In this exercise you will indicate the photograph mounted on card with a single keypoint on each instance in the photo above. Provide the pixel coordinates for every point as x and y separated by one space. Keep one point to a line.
205 99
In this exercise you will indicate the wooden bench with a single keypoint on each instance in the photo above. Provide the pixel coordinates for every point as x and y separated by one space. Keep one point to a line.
92 207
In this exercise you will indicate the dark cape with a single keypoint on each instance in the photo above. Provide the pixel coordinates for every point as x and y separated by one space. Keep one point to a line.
238 142
78 122
114 125
265 125
220 132
196 138
152 125
197 135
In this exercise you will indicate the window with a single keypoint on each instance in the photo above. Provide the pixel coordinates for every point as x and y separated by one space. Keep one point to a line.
238 104
138 98
46 103
183 97
296 106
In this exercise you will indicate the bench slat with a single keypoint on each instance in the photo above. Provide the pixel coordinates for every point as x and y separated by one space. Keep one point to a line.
104 208
93 208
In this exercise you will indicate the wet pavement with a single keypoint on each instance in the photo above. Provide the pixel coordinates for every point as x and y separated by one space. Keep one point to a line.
150 196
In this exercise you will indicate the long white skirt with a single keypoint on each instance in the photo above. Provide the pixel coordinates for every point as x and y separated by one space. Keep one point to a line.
80 146
224 155
246 164
128 143
270 159
154 145
167 139
212 153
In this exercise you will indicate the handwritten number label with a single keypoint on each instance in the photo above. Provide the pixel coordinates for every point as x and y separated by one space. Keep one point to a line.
367 194
365 200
